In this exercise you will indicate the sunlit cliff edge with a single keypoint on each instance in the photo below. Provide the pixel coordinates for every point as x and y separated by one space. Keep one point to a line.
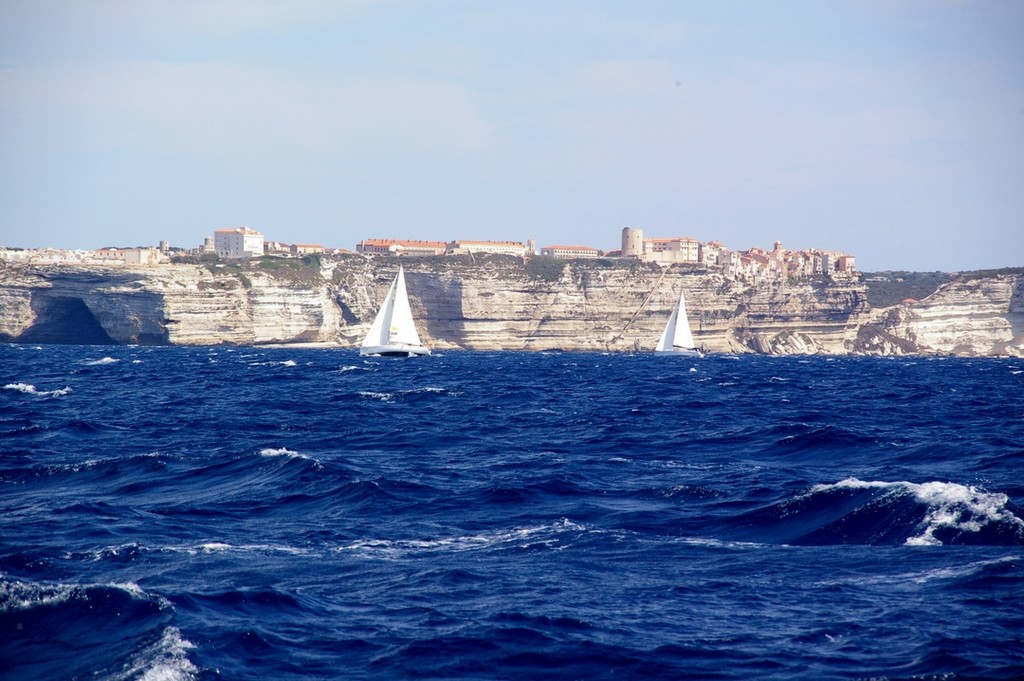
498 303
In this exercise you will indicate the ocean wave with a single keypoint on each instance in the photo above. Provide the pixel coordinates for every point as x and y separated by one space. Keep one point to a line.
275 363
271 453
102 361
215 547
969 571
405 395
113 631
164 660
284 451
954 513
854 511
29 389
546 536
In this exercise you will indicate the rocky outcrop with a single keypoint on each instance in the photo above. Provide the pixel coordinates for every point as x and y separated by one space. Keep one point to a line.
969 316
496 303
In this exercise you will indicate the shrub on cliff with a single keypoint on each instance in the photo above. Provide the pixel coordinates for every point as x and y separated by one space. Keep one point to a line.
886 289
545 267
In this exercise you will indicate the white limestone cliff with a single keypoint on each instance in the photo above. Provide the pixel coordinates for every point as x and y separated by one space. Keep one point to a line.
495 303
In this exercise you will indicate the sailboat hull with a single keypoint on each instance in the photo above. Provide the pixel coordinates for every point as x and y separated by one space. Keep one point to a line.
393 351
685 352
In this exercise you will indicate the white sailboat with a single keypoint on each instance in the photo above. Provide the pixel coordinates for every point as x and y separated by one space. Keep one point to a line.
393 331
676 339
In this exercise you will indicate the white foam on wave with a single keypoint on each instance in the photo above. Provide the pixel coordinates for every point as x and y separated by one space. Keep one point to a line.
719 543
223 547
109 552
283 451
963 508
284 363
383 397
162 660
29 389
100 362
213 547
547 535
16 595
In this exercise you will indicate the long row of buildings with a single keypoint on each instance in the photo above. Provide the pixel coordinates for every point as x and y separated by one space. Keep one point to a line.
243 242
752 263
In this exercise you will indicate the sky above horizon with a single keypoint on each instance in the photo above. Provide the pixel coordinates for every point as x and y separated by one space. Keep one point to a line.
892 130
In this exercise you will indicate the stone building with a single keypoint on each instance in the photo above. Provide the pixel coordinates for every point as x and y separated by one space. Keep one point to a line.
241 242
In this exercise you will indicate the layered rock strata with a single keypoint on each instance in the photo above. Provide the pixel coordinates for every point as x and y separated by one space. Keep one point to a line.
496 303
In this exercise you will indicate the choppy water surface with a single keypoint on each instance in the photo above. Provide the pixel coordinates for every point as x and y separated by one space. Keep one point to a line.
205 513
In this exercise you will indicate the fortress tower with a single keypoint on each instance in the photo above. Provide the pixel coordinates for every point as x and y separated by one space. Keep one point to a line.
632 242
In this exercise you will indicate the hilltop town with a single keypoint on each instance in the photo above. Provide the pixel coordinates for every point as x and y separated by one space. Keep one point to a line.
240 243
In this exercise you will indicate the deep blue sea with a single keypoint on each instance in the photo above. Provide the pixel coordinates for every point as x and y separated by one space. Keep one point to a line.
213 513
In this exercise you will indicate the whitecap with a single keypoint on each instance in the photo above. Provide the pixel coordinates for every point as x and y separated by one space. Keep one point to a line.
950 506
383 397
285 363
959 507
224 547
98 362
29 389
213 547
162 660
16 595
546 535
22 387
719 543
283 451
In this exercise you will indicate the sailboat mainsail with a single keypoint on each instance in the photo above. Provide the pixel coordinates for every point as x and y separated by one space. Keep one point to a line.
677 338
393 331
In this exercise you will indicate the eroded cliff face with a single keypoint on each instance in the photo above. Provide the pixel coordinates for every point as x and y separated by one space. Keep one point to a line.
970 316
495 303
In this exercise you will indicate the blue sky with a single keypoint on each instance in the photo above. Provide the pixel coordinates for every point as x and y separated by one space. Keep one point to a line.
890 129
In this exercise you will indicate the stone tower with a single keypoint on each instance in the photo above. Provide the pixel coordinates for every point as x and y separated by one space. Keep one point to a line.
632 242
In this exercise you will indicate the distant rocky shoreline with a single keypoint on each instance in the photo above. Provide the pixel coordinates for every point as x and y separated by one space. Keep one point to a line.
501 303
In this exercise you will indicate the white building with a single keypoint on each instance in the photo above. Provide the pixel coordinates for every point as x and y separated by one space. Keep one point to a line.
673 249
460 246
570 252
143 256
238 243
400 247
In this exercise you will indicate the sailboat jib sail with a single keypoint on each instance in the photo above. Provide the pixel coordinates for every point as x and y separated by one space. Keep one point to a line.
393 331
677 338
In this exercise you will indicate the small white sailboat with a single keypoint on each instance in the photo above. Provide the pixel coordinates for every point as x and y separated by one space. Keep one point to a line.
677 339
393 331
